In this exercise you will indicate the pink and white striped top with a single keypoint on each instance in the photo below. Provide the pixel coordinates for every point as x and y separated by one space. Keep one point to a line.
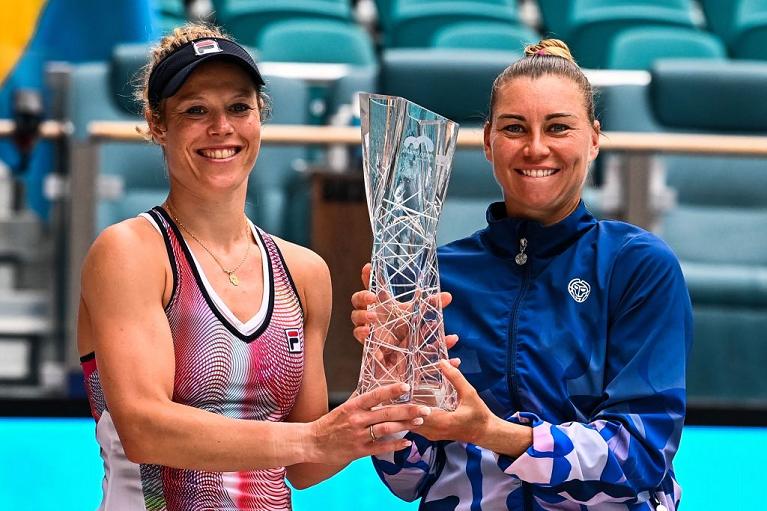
249 370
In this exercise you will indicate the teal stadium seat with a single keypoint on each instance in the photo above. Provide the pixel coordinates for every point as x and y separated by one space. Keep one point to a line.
639 47
171 13
555 17
325 41
415 24
277 200
485 36
750 33
560 17
589 26
103 91
383 12
742 24
387 8
246 19
719 226
720 16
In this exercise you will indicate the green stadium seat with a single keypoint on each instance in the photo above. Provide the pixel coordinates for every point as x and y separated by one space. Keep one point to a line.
720 16
246 19
749 40
742 24
325 41
415 24
485 36
172 14
594 27
719 226
555 17
560 18
101 91
316 40
638 47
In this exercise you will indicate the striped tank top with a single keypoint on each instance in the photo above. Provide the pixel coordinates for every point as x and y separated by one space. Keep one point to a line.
249 370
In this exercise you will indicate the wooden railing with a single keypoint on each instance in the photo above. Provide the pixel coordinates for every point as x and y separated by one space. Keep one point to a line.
637 150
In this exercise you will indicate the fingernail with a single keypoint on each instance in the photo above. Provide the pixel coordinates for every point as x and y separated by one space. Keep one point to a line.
424 410
405 387
407 443
417 421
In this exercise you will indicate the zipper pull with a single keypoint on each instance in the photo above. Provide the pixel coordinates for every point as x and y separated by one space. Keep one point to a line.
657 504
521 258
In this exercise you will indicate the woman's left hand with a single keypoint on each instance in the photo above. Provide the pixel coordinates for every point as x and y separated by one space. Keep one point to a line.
471 419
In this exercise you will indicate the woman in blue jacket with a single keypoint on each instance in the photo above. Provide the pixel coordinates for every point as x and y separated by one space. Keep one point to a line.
574 332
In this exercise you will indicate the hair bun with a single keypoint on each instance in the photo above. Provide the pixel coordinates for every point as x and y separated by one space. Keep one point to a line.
549 47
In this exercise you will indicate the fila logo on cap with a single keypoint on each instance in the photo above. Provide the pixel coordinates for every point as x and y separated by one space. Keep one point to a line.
294 340
205 46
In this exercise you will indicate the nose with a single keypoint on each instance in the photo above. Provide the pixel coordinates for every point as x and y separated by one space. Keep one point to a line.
536 148
220 124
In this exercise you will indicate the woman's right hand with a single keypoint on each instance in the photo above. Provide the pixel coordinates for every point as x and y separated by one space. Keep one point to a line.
363 316
355 429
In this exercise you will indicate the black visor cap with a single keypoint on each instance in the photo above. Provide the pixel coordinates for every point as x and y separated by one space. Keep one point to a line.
170 74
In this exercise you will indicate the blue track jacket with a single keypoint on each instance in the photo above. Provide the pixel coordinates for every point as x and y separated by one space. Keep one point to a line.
586 342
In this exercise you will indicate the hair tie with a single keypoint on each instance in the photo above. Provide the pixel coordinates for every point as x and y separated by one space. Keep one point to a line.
541 53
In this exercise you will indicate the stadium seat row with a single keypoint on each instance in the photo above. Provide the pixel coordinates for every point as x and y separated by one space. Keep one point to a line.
622 34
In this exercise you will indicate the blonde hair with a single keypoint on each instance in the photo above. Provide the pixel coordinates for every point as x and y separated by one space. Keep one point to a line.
167 45
546 57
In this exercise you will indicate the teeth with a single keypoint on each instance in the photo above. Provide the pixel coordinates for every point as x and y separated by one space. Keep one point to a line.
537 172
218 154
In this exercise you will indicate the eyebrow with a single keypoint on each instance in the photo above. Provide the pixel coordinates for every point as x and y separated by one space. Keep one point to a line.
547 118
241 94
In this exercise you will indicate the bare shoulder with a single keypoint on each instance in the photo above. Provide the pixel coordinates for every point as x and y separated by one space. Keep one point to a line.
129 251
310 273
302 262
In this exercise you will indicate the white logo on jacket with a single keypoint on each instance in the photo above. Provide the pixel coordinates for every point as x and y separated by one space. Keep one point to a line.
579 289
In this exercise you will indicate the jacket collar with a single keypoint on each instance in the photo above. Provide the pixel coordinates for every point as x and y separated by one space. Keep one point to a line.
503 233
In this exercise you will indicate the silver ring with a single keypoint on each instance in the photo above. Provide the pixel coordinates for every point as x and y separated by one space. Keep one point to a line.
372 434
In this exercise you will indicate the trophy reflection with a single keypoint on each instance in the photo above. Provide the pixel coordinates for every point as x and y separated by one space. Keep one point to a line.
407 151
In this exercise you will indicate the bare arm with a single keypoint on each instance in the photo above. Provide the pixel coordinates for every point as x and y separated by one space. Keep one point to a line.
122 286
312 400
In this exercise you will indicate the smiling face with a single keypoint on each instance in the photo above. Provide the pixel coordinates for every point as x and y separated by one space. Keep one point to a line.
540 142
210 129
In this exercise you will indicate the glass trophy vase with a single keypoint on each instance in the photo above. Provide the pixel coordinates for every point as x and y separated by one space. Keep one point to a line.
407 151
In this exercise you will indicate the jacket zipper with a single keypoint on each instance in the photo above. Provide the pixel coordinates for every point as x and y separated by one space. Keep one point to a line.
521 260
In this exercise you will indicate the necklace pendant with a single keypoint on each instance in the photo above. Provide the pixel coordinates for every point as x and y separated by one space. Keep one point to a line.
520 259
234 280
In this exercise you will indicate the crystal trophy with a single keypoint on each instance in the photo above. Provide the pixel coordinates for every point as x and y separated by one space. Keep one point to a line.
407 151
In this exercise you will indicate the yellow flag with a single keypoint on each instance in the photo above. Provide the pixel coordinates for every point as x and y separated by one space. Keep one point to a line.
19 21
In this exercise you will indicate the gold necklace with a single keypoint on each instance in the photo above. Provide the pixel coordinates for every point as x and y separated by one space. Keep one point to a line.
230 273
